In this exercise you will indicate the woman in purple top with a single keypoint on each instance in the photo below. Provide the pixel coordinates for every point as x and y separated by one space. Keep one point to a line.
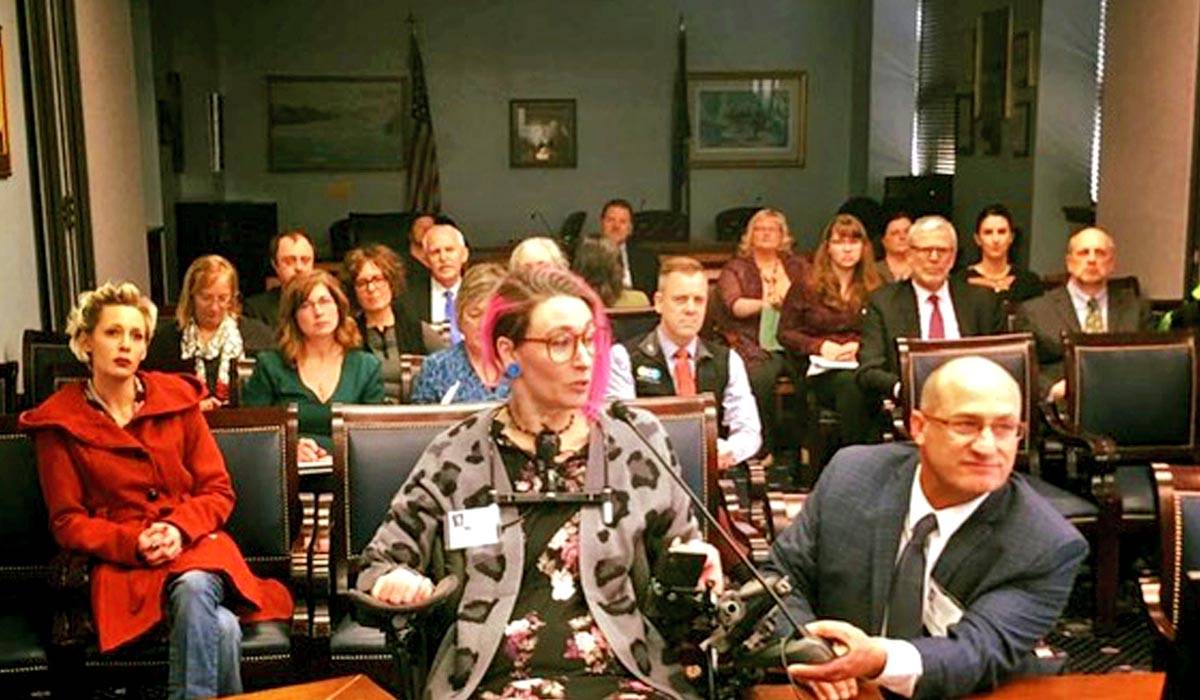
752 288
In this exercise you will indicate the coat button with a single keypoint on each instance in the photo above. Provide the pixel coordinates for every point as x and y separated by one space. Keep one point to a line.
152 494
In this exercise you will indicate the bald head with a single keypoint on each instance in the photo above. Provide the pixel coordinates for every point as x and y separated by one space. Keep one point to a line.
967 377
1091 257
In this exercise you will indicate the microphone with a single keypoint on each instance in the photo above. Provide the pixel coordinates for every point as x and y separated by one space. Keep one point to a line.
536 215
811 649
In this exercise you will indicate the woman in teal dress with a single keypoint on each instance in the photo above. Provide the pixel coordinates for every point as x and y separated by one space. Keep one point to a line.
318 362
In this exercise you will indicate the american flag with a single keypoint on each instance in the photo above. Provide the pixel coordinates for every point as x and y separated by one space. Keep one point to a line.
423 189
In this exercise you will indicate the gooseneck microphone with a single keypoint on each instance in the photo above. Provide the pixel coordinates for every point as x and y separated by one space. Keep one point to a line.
812 649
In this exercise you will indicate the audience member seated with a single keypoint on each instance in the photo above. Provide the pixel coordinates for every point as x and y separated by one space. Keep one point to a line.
133 478
415 260
934 565
929 306
549 606
292 254
1087 303
319 361
433 300
822 319
388 329
995 235
460 374
671 360
639 264
208 334
535 251
598 262
893 266
753 285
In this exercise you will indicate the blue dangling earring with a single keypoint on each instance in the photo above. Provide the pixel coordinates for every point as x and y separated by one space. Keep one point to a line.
512 371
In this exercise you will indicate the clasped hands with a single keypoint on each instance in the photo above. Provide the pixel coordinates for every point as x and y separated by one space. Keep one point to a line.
839 351
307 450
859 657
159 543
403 586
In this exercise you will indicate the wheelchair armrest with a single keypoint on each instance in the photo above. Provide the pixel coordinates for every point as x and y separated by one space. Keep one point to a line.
372 612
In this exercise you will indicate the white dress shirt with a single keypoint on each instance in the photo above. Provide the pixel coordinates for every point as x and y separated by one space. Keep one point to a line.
1079 299
739 411
904 668
437 300
627 280
620 375
945 303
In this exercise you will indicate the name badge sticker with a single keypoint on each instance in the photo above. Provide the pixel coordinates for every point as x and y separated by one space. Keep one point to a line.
472 527
941 610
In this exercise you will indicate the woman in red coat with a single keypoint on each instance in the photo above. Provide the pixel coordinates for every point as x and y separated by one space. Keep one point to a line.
132 476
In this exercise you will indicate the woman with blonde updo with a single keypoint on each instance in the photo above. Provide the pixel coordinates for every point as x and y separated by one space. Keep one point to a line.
133 478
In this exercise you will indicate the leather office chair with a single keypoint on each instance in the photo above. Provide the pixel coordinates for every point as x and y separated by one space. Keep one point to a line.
26 548
48 361
8 387
1165 592
731 223
1133 396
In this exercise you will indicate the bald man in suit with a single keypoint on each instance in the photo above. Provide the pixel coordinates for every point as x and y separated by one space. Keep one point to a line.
1087 303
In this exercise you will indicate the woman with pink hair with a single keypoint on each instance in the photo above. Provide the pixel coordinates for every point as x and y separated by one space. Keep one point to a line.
549 605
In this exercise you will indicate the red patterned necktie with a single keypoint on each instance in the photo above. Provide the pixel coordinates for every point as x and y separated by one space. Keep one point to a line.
937 327
685 383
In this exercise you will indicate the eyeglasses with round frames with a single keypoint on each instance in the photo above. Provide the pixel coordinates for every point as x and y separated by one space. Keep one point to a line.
563 345
969 428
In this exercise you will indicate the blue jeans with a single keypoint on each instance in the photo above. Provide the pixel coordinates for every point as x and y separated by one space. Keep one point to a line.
205 655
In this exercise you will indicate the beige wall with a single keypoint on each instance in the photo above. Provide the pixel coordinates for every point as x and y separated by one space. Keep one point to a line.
111 131
19 302
1146 148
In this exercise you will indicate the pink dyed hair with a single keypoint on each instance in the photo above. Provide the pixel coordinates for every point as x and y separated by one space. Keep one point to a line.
520 292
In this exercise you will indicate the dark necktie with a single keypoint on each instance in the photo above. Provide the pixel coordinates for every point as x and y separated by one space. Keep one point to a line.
908 584
937 327
685 383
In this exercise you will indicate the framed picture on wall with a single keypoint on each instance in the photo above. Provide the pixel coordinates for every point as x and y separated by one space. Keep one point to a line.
335 124
5 138
964 124
1024 59
1022 128
748 119
542 134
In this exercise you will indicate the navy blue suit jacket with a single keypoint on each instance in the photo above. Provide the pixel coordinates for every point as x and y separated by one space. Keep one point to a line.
1010 566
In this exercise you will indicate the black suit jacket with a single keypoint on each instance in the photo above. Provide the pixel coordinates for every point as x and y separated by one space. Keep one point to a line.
891 313
1051 315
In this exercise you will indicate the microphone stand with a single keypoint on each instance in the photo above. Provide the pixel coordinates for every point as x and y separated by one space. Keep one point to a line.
812 649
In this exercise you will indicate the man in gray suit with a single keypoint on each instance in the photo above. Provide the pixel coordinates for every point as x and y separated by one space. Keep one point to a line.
934 566
1086 303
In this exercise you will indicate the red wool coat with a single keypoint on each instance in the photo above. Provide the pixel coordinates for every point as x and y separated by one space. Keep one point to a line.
103 485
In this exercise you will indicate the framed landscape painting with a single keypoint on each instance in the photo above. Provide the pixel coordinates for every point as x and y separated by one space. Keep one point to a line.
335 124
747 119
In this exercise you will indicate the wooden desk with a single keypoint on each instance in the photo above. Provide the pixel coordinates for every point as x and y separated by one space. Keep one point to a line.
1109 686
345 688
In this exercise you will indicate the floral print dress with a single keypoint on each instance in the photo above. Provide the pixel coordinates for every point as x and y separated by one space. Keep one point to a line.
551 647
